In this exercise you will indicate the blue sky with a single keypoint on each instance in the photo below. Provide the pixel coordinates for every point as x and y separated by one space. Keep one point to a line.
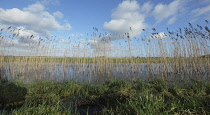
73 19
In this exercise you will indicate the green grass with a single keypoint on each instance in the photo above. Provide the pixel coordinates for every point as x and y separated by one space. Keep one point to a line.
114 96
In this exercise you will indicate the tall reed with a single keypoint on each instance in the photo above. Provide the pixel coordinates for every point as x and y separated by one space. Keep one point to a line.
178 55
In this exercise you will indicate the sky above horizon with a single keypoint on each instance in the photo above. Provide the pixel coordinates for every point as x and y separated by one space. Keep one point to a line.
73 19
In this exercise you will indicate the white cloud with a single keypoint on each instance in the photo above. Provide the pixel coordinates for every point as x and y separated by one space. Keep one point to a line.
93 43
66 41
101 48
58 14
20 34
126 18
34 18
35 8
29 24
202 11
16 17
157 36
76 35
164 11
147 7
172 20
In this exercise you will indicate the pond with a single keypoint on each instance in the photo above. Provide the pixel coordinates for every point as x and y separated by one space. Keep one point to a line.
98 72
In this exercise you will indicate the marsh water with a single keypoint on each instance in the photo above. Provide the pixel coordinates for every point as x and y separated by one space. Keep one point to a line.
98 72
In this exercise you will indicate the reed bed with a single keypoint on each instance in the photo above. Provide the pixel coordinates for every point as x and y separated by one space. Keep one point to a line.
164 72
180 54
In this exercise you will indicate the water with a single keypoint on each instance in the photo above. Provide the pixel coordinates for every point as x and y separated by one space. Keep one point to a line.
96 72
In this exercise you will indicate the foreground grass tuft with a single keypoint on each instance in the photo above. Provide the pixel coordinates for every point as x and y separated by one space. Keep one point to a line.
112 97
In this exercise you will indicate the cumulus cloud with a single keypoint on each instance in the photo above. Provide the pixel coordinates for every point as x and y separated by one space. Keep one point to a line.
65 41
157 36
35 8
17 37
100 47
34 18
126 18
15 16
147 7
164 11
76 35
93 43
58 14
27 25
172 20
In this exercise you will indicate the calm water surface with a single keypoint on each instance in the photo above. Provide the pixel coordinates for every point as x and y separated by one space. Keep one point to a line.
91 72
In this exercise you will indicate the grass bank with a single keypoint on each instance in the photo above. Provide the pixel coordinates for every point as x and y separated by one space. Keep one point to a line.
114 96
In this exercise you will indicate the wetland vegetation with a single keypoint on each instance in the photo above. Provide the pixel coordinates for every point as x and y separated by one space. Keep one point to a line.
172 77
114 96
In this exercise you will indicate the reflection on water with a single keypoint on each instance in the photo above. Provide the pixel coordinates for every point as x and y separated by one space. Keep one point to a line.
91 72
